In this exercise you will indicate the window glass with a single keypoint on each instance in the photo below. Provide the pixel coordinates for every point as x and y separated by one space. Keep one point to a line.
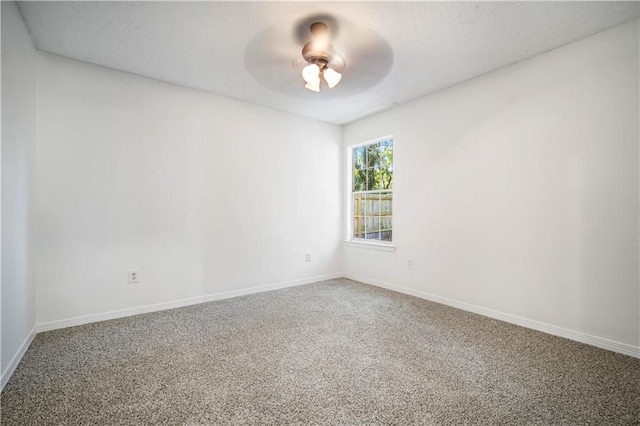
372 191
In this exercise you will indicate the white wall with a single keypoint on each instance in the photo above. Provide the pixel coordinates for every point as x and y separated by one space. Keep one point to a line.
517 192
201 193
18 187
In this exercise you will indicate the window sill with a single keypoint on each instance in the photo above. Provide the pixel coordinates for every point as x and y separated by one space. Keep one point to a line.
370 246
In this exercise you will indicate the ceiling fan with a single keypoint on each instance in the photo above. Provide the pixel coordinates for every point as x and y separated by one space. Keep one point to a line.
322 59
275 58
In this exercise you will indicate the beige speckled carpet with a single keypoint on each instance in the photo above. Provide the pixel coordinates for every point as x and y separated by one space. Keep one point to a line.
334 352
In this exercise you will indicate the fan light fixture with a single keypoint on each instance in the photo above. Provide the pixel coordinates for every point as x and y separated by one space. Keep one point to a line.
322 59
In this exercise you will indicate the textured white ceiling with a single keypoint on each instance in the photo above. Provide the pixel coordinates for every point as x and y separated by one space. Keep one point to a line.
394 51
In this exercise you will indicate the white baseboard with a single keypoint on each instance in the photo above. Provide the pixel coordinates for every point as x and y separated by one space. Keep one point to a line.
599 342
70 322
6 374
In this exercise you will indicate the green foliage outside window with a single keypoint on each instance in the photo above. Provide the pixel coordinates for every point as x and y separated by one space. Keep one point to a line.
373 167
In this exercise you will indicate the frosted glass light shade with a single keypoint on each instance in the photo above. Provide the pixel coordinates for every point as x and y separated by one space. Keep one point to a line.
311 73
332 77
313 85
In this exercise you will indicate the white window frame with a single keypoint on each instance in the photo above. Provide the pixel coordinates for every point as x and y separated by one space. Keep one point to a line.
362 243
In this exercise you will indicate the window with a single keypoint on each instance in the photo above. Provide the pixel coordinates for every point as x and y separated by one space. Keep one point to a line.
372 191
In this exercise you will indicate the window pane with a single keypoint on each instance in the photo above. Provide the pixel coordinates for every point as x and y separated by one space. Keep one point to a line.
386 177
358 227
373 154
359 208
360 180
386 212
386 154
386 203
359 157
385 224
374 178
373 204
373 228
372 183
386 164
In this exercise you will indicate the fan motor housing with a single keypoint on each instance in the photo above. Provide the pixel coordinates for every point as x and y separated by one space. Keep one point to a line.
319 51
323 55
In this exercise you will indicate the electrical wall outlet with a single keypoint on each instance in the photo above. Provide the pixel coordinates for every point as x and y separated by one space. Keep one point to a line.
134 277
307 256
410 264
